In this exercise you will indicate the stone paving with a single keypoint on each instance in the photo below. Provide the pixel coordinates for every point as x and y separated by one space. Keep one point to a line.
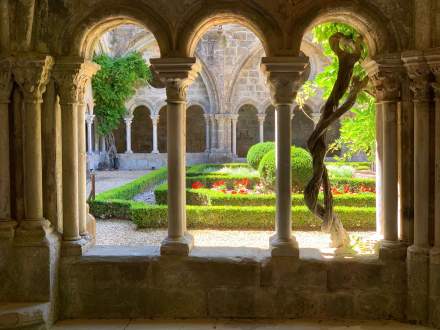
229 325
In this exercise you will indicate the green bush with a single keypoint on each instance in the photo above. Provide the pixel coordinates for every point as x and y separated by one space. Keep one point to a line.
353 182
249 217
257 152
302 168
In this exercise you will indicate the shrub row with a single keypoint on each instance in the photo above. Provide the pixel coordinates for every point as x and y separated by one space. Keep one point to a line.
245 217
211 197
356 165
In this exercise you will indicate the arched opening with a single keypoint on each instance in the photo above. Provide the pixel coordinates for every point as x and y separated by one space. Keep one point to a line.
142 131
195 130
120 135
269 124
302 126
162 130
247 129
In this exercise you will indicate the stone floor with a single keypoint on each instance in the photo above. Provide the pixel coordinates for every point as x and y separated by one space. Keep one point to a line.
228 325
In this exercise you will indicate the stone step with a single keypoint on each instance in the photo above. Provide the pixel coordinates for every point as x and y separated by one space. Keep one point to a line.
26 316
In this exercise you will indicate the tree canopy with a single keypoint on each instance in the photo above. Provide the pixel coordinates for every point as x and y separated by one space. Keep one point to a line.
114 84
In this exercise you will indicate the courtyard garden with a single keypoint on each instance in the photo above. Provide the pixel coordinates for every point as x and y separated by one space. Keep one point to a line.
240 196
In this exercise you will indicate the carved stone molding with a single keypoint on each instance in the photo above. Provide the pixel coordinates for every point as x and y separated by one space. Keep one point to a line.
90 119
433 60
5 79
386 76
72 76
419 74
284 77
177 74
32 74
261 118
128 120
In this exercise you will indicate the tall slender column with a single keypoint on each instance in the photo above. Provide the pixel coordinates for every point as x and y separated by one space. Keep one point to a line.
71 76
261 118
379 170
6 224
418 265
177 74
207 133
32 75
155 121
284 79
213 133
90 118
234 119
128 122
386 77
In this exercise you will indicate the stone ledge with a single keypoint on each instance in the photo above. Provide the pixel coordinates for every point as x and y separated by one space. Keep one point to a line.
24 315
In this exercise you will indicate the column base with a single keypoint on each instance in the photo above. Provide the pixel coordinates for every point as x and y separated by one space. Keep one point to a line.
128 152
75 248
181 246
7 229
34 231
392 250
434 256
155 152
283 248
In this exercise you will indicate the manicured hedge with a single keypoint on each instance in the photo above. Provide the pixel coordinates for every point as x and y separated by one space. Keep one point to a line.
257 152
249 217
353 182
356 165
211 197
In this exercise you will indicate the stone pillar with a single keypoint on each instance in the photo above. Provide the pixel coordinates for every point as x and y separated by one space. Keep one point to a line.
284 79
434 274
90 118
207 133
155 121
71 76
223 140
386 75
32 75
6 224
261 118
418 272
177 74
128 122
234 119
214 138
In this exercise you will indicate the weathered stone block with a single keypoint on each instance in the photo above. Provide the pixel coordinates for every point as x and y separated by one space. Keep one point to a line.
393 277
353 275
337 305
231 303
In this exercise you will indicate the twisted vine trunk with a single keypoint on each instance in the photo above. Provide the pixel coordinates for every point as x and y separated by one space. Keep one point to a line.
330 113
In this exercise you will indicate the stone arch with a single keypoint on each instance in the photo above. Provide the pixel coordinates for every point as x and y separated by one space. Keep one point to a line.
134 103
269 123
162 129
195 129
141 130
211 86
247 129
379 32
81 35
248 102
120 135
302 126
197 22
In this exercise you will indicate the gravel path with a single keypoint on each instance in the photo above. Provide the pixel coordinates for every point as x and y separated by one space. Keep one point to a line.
124 233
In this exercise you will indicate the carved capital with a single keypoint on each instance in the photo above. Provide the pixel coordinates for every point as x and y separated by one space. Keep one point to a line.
222 118
261 118
90 119
284 77
72 76
177 74
5 80
32 75
386 76
155 119
419 74
128 120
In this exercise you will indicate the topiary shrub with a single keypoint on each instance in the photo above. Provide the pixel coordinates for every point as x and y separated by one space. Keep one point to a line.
257 152
302 168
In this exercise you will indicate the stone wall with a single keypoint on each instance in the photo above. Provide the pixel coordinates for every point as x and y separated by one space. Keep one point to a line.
200 287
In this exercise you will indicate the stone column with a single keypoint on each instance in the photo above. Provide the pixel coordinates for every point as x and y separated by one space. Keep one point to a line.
87 71
32 75
214 137
71 76
155 121
90 118
234 119
207 133
6 224
418 273
128 122
284 79
177 74
261 118
386 77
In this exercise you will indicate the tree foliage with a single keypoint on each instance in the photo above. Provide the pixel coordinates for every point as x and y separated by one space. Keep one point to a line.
113 85
358 129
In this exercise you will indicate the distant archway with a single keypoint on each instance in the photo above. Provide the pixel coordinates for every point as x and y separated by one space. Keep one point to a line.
162 130
195 129
141 131
247 129
302 126
269 124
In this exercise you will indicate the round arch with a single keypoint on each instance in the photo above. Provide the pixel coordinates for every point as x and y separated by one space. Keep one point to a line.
133 104
247 129
195 129
81 35
142 130
248 102
379 33
198 22
162 129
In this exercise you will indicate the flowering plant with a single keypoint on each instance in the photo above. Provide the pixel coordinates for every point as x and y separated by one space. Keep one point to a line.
219 185
197 185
